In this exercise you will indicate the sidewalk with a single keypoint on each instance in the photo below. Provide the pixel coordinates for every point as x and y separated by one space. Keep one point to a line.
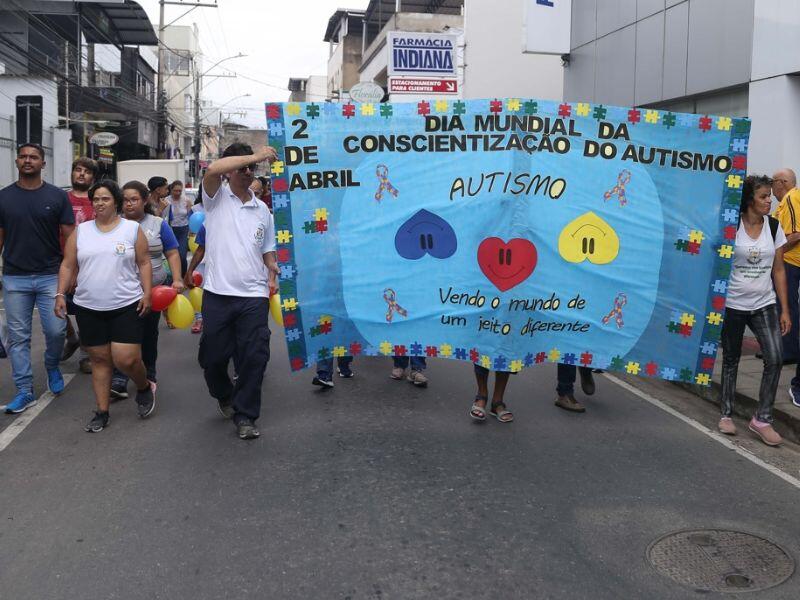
787 415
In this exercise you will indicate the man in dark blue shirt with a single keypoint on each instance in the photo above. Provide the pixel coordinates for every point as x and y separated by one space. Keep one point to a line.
33 216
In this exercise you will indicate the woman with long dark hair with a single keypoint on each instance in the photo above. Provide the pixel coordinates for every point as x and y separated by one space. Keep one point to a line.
757 275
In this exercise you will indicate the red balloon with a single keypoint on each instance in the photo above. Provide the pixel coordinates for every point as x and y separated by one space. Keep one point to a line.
161 297
197 279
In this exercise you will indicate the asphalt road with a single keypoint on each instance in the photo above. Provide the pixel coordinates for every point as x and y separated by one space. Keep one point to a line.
374 489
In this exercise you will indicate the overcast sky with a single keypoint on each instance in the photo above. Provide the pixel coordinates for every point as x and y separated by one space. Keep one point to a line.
281 38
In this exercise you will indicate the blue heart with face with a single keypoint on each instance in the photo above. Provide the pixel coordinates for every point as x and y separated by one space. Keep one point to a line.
425 233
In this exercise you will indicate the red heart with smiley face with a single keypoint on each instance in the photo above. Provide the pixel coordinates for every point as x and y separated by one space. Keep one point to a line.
507 264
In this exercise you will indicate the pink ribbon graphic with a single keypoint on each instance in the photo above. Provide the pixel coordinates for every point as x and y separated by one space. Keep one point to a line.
616 312
623 179
391 299
382 171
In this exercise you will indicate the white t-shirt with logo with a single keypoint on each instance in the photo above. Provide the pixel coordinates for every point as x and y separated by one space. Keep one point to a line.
108 276
238 234
750 286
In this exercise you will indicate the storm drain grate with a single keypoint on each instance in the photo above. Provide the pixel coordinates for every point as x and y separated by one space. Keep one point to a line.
717 560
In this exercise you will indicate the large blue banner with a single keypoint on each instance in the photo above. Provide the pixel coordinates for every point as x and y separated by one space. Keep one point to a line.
507 232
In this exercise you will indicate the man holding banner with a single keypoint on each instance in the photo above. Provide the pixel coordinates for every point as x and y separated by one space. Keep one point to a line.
240 272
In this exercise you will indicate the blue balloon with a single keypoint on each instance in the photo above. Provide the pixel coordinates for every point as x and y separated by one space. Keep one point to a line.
196 221
425 233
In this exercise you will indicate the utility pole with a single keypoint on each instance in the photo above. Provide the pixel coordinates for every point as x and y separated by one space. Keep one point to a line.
161 108
161 100
197 80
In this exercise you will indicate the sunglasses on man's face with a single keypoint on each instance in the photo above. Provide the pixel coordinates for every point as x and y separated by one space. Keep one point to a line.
246 168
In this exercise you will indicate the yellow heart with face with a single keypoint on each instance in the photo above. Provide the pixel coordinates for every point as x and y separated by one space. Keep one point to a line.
588 238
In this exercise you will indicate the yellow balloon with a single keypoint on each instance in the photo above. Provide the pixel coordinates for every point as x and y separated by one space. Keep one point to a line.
196 298
192 244
275 309
180 312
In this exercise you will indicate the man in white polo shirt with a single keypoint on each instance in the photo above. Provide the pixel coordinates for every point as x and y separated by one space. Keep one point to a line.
241 270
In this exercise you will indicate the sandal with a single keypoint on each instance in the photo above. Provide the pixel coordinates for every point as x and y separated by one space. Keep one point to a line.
504 416
477 412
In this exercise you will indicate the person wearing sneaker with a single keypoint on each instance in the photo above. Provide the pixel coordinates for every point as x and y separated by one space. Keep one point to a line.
757 274
34 216
786 192
498 408
196 264
162 245
110 255
565 389
84 172
241 271
324 377
416 375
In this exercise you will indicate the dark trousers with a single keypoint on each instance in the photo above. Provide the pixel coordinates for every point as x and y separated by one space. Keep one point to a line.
791 341
325 367
149 350
765 324
235 326
566 378
182 235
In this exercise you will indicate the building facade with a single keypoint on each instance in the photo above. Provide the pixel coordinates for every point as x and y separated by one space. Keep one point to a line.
727 57
495 65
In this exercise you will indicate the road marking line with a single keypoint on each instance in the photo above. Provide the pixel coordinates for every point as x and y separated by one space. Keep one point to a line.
703 429
10 433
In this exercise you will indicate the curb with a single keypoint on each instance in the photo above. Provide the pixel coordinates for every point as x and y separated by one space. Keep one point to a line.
786 423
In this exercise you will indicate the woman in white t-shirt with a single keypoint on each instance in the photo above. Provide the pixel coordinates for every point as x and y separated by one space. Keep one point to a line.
180 209
756 276
110 255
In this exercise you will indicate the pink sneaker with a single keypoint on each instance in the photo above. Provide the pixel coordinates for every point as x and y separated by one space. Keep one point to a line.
727 426
765 431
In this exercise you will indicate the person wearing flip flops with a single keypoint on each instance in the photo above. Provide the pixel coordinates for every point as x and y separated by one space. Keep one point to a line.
498 408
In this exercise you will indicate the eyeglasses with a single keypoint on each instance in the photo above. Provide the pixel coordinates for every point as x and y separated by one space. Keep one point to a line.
246 168
131 200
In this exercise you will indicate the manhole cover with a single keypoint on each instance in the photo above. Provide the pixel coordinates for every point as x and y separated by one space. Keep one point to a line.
716 560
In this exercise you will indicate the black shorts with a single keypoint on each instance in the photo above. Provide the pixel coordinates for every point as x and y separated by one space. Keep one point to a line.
101 327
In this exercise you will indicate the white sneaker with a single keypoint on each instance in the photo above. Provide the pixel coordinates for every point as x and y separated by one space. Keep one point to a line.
397 373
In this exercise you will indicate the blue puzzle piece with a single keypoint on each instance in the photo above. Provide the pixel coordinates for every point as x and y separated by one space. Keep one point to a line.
425 233
730 215
669 373
720 286
416 349
709 348
739 145
275 129
460 353
292 335
500 363
568 359
528 360
287 272
280 200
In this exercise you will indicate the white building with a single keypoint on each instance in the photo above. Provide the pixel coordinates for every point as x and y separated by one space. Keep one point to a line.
56 142
727 57
182 65
495 65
